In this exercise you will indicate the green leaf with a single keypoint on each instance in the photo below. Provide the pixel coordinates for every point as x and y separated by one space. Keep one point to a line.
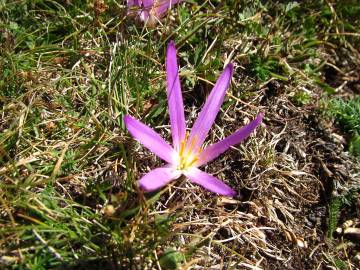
171 259
327 88
354 147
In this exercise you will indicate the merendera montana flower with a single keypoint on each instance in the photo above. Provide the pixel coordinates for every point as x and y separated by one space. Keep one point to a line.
187 155
150 10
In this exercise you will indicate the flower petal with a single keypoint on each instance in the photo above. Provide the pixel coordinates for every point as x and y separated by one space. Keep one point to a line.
147 3
209 182
140 8
131 3
158 178
175 100
208 113
150 139
163 5
214 150
144 15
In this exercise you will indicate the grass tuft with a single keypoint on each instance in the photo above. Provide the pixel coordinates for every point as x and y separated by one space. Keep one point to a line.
71 70
347 116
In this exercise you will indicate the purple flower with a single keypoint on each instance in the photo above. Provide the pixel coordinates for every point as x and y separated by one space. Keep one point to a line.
150 10
187 155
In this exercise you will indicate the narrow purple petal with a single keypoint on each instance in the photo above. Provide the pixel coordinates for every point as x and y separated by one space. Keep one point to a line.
175 100
209 182
158 178
214 150
208 113
144 15
131 3
163 5
140 8
134 8
150 139
147 3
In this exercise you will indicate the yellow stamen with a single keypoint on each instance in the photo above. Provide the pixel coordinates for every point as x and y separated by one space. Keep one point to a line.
192 143
183 143
187 156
